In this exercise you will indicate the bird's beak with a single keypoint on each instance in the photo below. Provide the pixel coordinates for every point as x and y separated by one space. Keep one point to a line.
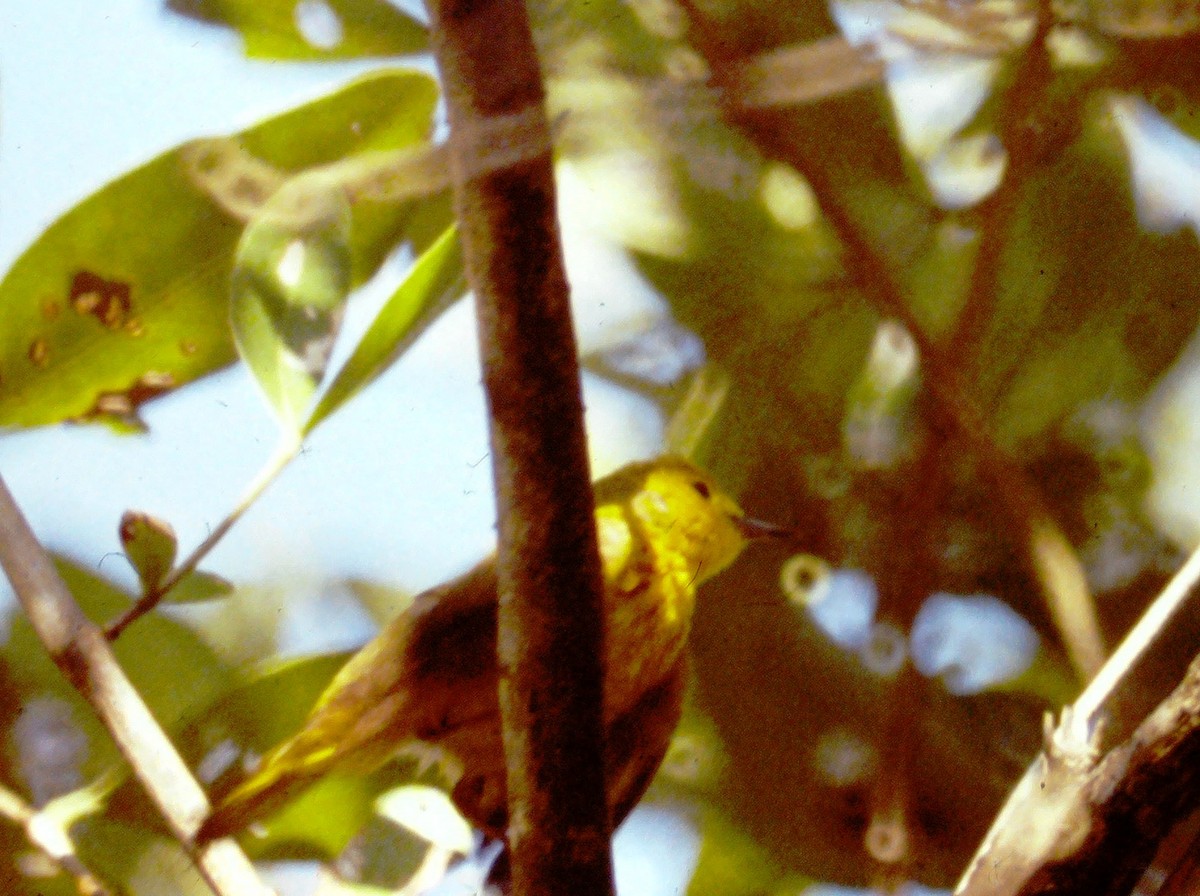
752 528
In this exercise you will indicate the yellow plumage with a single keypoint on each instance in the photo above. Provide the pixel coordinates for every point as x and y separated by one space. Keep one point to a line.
430 675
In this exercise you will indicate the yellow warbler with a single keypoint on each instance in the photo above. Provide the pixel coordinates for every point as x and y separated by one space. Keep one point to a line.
431 674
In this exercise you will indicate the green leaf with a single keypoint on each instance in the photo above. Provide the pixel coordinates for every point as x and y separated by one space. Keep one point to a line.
290 282
270 704
325 816
382 602
435 279
1088 305
150 545
312 29
256 715
197 587
730 862
125 296
172 669
140 860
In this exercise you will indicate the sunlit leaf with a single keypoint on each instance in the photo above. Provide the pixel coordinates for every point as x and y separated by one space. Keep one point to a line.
290 280
271 703
436 277
258 714
428 812
729 861
324 817
197 587
150 544
312 29
382 602
125 296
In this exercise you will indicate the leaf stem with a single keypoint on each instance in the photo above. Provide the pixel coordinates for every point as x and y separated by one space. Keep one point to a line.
78 647
1182 587
152 597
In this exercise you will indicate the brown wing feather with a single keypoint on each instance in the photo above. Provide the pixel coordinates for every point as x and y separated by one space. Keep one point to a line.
635 743
431 674
429 671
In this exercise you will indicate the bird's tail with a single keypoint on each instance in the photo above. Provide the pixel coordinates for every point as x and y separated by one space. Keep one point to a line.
281 777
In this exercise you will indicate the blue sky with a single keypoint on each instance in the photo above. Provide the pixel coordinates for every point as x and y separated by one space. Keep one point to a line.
397 487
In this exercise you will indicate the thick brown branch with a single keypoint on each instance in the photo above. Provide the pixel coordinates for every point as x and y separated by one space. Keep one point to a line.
550 625
81 651
1078 824
1136 795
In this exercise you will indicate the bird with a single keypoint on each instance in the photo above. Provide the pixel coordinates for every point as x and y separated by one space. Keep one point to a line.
430 677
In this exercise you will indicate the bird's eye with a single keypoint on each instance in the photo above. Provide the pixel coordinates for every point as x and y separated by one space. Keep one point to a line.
701 489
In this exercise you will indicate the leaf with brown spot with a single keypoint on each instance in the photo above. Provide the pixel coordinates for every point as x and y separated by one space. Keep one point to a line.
126 295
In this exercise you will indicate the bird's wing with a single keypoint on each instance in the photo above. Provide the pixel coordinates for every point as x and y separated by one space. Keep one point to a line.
431 668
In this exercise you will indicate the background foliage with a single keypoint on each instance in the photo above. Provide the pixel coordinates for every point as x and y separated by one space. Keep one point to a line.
1037 240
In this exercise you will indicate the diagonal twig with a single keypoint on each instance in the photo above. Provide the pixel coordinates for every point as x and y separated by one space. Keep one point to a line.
80 650
1076 819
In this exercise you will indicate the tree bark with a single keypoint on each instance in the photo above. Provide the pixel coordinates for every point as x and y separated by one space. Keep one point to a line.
550 622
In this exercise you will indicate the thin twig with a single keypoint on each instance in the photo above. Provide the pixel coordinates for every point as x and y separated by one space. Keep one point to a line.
154 596
550 620
80 650
1153 621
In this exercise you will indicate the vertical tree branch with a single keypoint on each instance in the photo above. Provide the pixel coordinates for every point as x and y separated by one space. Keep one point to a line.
81 651
550 624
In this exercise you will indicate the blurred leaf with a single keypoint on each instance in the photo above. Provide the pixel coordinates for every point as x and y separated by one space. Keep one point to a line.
323 817
291 277
198 587
383 602
384 854
145 863
1049 677
172 669
429 813
730 863
150 545
269 705
124 297
312 29
1088 304
436 277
